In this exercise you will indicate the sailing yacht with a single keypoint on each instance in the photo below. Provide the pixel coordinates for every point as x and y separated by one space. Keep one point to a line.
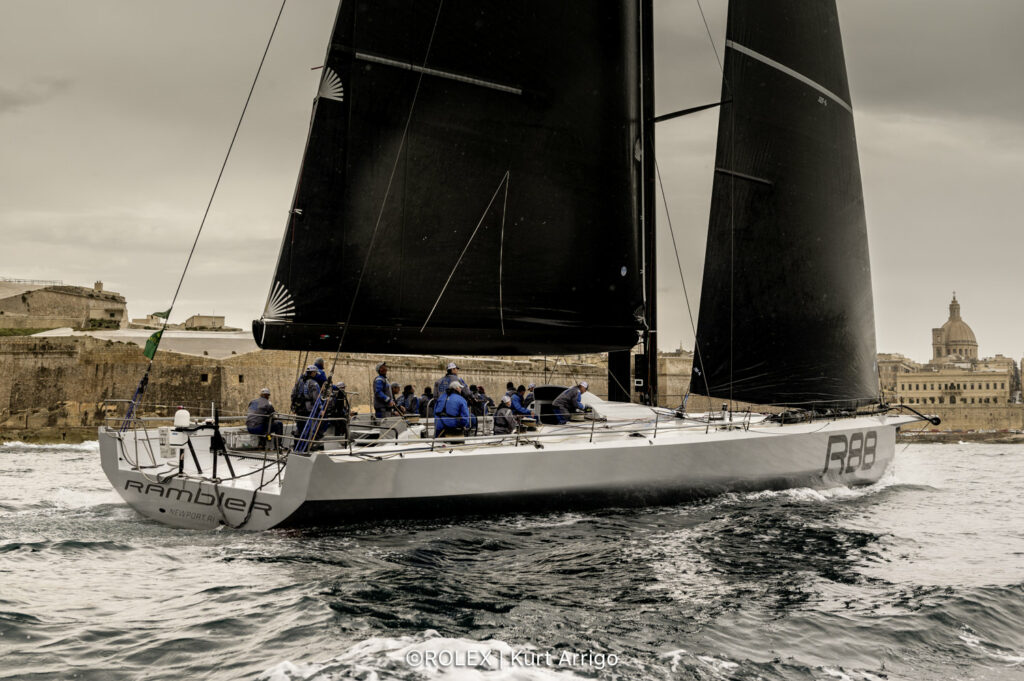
455 145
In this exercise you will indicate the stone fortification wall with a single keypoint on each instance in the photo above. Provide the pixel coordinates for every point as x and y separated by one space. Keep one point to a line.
974 417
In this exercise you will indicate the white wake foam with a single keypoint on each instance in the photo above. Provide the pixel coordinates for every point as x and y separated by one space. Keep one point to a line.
18 446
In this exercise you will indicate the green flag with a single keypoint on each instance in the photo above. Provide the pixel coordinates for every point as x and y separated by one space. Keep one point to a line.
162 315
152 344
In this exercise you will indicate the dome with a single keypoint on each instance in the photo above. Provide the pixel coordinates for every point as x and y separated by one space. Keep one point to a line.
956 331
955 338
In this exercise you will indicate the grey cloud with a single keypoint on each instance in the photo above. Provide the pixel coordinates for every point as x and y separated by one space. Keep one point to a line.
16 98
936 57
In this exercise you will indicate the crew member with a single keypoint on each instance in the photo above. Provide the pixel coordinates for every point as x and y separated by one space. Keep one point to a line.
425 399
476 404
517 402
396 397
441 386
338 410
488 402
528 401
452 416
504 418
409 402
304 396
569 401
321 375
259 420
383 402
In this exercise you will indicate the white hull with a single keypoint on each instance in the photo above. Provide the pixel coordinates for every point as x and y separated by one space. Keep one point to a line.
578 465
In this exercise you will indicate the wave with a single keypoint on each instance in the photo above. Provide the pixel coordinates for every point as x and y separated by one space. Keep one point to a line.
998 653
88 446
67 546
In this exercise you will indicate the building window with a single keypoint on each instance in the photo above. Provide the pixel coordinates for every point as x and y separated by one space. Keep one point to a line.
111 315
995 400
204 378
952 399
1003 386
241 378
941 400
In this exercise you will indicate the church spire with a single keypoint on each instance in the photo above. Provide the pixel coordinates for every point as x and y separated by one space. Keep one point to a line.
954 309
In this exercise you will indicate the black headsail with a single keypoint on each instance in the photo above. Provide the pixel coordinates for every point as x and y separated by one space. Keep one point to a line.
492 143
786 314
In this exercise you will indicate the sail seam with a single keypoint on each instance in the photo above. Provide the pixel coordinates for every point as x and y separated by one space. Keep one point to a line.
439 73
789 72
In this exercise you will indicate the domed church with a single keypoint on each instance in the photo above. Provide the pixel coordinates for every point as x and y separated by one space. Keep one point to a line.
954 340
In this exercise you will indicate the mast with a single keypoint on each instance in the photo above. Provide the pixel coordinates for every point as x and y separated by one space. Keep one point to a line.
620 363
647 188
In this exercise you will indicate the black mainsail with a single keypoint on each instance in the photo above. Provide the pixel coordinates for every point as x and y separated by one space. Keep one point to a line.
482 159
786 313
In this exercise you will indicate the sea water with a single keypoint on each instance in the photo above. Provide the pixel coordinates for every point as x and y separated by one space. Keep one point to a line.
918 577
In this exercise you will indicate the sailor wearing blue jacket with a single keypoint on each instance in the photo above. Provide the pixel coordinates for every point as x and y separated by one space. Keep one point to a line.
518 403
569 401
451 415
321 375
383 404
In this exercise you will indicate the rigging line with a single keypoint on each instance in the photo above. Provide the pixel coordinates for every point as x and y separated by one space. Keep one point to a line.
710 38
504 180
387 191
682 279
501 258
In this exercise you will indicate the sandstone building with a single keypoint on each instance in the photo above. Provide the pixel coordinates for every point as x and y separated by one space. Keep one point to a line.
965 391
27 304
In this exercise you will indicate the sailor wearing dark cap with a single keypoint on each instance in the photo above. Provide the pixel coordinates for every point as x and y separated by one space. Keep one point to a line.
338 410
383 404
259 416
304 396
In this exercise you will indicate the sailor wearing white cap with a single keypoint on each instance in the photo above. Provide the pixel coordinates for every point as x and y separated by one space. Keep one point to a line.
569 401
528 400
504 418
452 374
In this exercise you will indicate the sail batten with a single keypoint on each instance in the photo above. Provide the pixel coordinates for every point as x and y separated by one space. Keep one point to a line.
405 156
786 313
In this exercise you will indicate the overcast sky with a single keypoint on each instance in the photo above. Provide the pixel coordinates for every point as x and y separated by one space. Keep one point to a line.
115 116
